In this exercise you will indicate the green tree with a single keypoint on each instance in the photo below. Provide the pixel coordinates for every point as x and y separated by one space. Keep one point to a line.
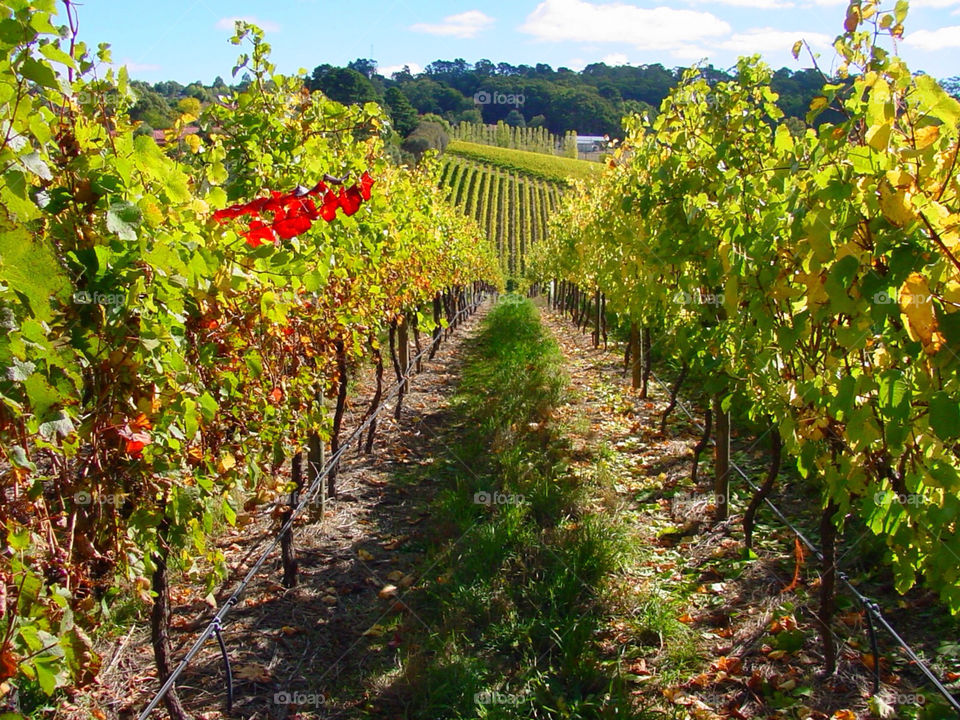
515 119
403 114
347 86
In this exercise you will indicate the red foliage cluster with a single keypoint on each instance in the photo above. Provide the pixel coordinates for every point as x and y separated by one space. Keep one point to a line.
294 212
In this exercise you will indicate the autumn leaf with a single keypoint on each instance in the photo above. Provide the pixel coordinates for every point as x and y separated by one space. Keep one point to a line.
253 672
916 308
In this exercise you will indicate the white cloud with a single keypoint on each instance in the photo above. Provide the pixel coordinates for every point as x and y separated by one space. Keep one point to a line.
934 4
769 40
615 59
464 25
227 23
756 4
660 28
138 67
690 53
945 37
577 64
389 70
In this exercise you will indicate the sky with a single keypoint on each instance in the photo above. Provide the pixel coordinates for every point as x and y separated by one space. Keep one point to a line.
188 40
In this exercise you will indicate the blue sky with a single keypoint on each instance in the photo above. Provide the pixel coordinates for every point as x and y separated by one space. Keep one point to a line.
187 40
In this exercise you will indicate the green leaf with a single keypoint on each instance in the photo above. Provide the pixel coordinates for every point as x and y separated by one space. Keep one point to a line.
61 426
945 416
935 101
894 394
20 371
40 73
123 218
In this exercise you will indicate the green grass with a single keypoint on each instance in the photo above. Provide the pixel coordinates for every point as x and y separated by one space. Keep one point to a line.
545 167
515 593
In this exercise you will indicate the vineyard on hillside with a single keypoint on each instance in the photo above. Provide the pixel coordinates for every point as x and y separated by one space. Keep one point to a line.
562 170
511 193
512 209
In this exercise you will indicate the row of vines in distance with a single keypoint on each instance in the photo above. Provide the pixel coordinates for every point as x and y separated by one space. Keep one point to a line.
512 209
176 322
531 139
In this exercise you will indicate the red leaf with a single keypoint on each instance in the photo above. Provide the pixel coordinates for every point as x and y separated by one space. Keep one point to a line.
276 202
366 182
258 233
350 200
135 441
292 226
328 211
319 189
276 395
229 213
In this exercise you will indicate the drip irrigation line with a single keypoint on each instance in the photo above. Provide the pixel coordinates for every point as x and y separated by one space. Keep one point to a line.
870 606
215 625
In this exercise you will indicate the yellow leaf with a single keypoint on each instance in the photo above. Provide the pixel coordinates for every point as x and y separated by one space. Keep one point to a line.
878 136
193 142
896 205
926 135
796 49
364 555
227 462
375 631
916 307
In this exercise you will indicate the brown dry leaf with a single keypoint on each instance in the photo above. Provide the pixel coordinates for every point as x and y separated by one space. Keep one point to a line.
730 664
364 555
8 664
330 599
387 591
375 631
289 630
787 622
395 576
686 618
844 715
406 581
253 672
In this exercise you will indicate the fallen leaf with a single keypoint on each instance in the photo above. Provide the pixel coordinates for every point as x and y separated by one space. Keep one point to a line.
253 673
387 591
364 555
